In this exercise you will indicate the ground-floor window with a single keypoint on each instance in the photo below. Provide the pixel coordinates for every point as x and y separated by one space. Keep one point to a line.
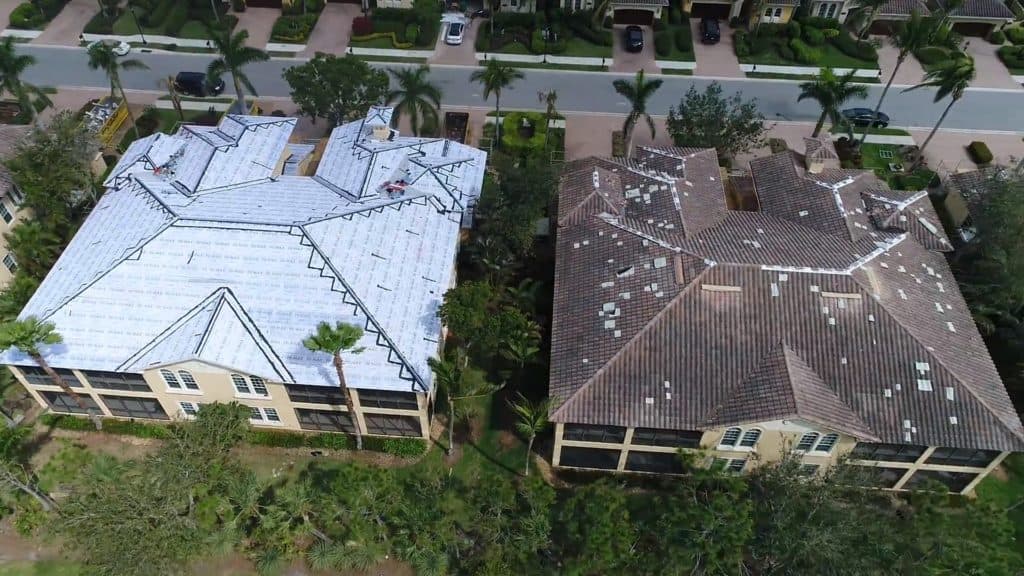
392 425
64 402
325 420
35 375
661 462
264 415
135 407
954 481
733 465
589 458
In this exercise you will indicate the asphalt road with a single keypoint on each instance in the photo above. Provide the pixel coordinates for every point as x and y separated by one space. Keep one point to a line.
980 109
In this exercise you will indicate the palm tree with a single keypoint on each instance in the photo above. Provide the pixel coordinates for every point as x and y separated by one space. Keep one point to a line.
532 420
102 57
908 37
831 92
35 247
521 347
28 335
335 340
950 79
234 55
549 99
637 93
12 66
172 93
864 14
415 96
458 382
494 77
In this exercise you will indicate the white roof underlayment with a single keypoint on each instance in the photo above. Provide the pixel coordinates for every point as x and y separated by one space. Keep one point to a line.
202 250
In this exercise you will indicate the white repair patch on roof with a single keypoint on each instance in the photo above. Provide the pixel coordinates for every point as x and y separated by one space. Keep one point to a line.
202 249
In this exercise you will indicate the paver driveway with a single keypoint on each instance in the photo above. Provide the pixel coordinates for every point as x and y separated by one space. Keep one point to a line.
715 59
66 28
333 29
624 61
259 22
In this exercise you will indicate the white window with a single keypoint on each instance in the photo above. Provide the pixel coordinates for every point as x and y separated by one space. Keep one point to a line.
832 10
733 465
189 409
264 415
731 436
7 216
170 379
807 441
10 262
827 442
241 385
768 12
750 438
188 380
259 385
15 195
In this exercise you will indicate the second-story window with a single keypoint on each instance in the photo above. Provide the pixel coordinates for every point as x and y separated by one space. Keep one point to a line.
736 437
807 441
170 379
253 386
241 384
188 380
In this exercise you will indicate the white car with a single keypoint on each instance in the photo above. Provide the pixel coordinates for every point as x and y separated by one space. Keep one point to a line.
120 48
456 32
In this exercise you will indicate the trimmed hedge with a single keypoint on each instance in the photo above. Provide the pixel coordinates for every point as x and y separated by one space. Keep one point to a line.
401 447
932 55
803 53
293 29
1012 56
979 153
855 49
26 17
813 36
394 39
176 19
684 38
1015 35
997 37
662 44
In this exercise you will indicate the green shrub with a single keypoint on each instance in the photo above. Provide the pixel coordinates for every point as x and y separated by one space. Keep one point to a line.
110 426
787 53
412 32
662 43
979 152
813 36
158 15
66 422
659 25
854 48
793 29
932 54
330 441
427 34
26 17
684 39
1015 34
740 45
238 5
176 19
777 145
276 438
760 43
1012 56
99 25
401 447
293 29
997 37
675 15
820 23
803 53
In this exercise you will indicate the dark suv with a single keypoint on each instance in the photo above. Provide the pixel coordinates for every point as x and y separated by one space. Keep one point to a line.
865 117
196 84
634 39
710 32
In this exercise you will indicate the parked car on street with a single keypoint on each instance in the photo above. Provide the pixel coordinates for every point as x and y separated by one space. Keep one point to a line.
710 31
634 39
197 84
119 47
456 33
866 117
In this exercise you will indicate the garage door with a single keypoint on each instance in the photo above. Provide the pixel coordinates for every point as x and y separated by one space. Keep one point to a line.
263 3
641 17
972 28
883 27
714 10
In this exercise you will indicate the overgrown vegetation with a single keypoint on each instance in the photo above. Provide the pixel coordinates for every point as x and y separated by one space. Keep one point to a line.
730 125
804 42
398 28
177 18
35 14
548 32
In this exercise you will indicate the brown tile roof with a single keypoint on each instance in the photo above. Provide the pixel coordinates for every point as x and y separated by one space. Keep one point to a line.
867 336
982 9
903 8
10 136
971 185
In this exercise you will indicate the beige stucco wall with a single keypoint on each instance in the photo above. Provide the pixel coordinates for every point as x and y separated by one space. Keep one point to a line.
777 438
215 385
19 215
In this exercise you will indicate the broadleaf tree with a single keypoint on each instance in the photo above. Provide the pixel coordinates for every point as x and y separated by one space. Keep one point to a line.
337 89
729 124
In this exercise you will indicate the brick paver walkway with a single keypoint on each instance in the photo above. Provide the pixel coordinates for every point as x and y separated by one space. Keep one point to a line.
6 7
991 73
910 71
463 54
66 28
623 61
258 22
333 29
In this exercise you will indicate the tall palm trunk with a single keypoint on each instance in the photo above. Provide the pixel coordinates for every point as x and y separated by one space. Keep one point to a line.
899 62
238 91
498 124
529 453
451 427
348 400
821 122
131 117
920 152
42 363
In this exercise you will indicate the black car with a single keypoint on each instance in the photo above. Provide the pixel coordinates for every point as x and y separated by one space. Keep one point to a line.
634 38
710 32
196 84
865 117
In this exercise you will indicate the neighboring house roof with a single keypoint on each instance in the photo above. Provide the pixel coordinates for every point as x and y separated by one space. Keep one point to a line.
10 136
994 9
902 8
202 249
973 184
832 305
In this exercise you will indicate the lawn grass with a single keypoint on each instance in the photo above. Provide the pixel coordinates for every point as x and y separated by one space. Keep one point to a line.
873 160
802 77
1008 493
832 57
579 47
549 66
40 568
676 72
125 25
369 58
381 42
877 131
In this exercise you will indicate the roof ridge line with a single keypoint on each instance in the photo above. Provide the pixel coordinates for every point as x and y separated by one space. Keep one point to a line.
160 337
258 338
643 329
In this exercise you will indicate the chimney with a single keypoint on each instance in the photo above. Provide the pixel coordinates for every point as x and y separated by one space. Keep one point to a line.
819 154
381 132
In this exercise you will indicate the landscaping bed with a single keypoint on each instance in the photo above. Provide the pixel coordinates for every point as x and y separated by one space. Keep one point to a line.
674 40
174 18
394 28
1013 58
523 134
35 15
566 35
945 46
296 22
809 42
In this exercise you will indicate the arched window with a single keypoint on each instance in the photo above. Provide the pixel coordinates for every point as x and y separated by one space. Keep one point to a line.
731 436
241 384
188 380
750 438
807 441
170 379
827 442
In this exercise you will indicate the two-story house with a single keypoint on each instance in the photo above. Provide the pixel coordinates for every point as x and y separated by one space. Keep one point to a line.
215 251
10 198
826 323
